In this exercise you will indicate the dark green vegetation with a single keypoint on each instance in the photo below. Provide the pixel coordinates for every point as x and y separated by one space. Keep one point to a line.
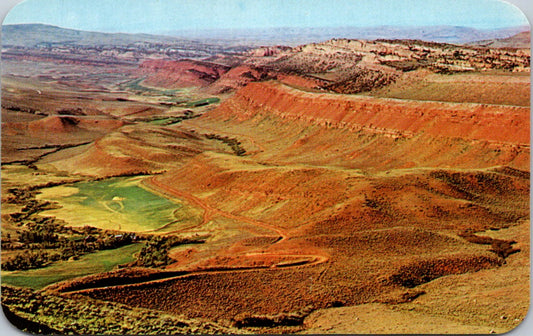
172 95
165 121
203 102
92 263
44 240
155 251
232 142
44 250
81 315
136 87
39 253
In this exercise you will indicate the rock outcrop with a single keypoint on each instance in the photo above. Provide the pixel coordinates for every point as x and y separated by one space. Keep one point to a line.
185 73
405 118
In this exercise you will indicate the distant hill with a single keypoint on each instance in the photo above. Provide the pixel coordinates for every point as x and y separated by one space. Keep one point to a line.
31 35
520 40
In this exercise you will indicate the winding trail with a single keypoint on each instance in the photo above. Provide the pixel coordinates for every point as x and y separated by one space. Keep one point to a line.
298 260
313 260
209 212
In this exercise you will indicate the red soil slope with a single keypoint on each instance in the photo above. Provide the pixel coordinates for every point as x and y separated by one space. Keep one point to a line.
299 81
65 124
496 123
61 128
359 239
176 74
54 124
238 77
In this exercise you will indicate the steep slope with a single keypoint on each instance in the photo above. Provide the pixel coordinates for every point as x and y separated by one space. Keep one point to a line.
176 74
372 134
391 117
238 77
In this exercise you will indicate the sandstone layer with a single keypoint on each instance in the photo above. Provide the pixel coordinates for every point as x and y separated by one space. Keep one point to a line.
506 124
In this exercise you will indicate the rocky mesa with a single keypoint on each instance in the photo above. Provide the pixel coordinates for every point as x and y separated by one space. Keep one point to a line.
495 123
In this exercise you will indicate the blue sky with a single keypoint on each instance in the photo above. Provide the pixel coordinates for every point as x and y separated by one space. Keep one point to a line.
153 16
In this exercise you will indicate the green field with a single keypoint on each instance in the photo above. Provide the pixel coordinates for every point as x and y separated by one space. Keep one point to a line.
118 204
136 86
92 263
166 121
202 102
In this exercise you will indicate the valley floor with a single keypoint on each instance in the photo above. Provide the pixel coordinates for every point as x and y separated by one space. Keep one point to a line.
273 210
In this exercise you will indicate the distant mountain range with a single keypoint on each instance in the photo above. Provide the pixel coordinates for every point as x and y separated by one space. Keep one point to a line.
446 34
30 35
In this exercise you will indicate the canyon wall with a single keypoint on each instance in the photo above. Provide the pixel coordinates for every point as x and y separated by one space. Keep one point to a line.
398 118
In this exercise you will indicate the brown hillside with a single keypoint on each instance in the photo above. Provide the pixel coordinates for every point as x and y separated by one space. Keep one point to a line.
340 203
66 124
520 40
54 124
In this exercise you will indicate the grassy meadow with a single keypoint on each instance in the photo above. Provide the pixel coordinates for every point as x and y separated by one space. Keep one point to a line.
118 204
92 263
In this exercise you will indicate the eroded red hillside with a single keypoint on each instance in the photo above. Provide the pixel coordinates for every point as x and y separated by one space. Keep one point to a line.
497 123
185 73
238 77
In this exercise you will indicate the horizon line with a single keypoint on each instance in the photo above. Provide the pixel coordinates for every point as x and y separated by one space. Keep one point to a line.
527 27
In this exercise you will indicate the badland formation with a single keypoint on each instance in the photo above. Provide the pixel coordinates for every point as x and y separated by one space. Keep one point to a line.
155 185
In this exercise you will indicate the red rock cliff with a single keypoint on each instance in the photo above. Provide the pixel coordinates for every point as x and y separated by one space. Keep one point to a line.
496 123
175 74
